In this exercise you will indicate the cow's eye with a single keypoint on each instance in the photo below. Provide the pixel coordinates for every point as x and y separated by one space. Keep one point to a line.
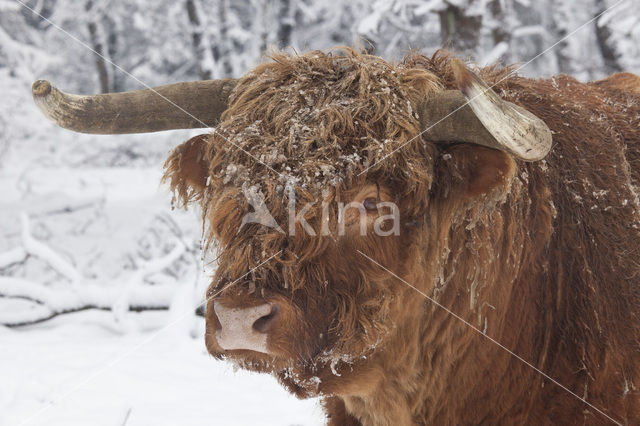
370 204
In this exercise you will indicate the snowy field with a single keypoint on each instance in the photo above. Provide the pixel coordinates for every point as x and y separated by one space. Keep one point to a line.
94 376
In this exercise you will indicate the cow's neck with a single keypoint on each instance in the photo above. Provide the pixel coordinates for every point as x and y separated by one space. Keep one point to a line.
449 364
458 375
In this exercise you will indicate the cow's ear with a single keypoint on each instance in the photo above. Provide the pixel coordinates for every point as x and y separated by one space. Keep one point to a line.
476 171
187 170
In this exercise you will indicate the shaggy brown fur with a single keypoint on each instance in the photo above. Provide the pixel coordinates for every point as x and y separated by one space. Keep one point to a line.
622 81
542 257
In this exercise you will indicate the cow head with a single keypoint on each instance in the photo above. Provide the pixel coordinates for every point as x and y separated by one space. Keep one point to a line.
317 182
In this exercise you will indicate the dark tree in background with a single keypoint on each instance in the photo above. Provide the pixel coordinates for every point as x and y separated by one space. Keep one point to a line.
197 34
607 48
96 44
285 23
460 29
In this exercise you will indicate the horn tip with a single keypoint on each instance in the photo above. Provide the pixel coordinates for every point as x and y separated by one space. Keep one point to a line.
40 88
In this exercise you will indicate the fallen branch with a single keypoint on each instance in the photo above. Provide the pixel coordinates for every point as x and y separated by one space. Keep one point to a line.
51 302
67 208
48 302
43 317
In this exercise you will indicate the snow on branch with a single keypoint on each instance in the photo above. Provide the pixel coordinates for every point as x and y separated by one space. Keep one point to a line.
38 249
12 256
496 53
122 303
53 302
50 301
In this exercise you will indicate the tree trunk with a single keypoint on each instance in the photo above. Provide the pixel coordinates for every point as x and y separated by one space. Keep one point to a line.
225 43
460 32
96 45
561 50
197 34
500 30
111 28
609 54
285 24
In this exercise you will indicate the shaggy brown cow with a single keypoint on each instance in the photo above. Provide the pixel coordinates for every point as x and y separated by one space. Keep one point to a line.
510 294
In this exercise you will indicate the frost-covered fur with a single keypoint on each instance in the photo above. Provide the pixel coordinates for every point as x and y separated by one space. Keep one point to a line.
542 257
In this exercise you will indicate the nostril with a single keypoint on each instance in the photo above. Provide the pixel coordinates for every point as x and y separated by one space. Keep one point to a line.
264 323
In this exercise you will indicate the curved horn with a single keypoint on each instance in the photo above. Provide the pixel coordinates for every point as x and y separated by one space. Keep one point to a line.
176 106
476 114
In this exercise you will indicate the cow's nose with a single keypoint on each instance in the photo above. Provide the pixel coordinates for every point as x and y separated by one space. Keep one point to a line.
244 328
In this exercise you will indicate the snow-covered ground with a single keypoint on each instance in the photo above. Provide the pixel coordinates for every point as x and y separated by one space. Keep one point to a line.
84 220
95 376
102 367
